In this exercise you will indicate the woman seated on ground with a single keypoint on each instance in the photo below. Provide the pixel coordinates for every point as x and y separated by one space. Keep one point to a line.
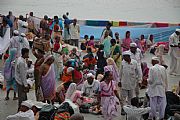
76 96
145 71
90 62
61 91
91 44
74 54
67 74
84 43
89 51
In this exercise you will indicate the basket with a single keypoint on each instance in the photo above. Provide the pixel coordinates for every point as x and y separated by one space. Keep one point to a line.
42 44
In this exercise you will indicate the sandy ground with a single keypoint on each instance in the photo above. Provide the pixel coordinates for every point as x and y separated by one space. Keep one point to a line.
10 106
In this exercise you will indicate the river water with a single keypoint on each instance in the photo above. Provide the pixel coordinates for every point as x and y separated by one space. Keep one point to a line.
130 10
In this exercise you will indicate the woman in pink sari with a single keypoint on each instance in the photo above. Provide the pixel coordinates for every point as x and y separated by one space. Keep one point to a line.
126 41
111 66
145 71
109 97
47 79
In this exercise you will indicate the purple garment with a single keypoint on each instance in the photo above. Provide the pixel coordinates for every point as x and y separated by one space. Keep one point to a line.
157 103
139 45
108 100
48 84
90 43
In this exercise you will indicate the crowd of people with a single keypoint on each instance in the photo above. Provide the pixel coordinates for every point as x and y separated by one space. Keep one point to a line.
102 77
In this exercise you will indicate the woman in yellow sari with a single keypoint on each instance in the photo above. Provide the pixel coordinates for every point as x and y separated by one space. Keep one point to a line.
116 53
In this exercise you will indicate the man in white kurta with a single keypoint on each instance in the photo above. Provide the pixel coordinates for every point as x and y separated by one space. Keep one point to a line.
74 30
90 86
23 43
136 55
14 41
128 76
157 86
173 51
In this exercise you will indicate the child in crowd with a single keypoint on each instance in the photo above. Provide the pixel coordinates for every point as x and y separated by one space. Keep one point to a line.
84 42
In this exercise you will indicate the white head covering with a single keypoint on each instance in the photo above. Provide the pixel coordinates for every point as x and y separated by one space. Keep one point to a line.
90 75
72 88
70 69
100 77
155 58
126 53
16 32
133 45
25 24
30 60
27 104
178 30
23 35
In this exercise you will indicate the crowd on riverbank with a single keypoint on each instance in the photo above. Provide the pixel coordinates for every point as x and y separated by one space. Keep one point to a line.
107 77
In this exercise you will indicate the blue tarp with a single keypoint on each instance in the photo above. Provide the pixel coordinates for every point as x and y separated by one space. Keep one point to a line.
160 34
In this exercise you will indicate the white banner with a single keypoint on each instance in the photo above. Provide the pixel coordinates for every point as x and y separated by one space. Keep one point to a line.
5 41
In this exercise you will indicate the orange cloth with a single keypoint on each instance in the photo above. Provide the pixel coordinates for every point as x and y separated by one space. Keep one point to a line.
89 62
66 76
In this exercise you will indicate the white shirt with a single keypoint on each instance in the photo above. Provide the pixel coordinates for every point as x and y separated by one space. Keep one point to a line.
74 31
14 42
174 39
137 56
157 81
23 43
21 71
28 115
129 74
135 113
90 90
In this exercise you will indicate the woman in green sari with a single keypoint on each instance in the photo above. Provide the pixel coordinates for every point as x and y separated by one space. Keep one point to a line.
116 53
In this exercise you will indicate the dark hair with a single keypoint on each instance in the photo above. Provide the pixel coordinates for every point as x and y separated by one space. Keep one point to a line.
67 84
106 74
109 24
113 41
24 51
101 47
20 17
91 37
41 51
135 101
85 36
31 13
127 32
55 17
89 50
142 35
91 55
45 17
